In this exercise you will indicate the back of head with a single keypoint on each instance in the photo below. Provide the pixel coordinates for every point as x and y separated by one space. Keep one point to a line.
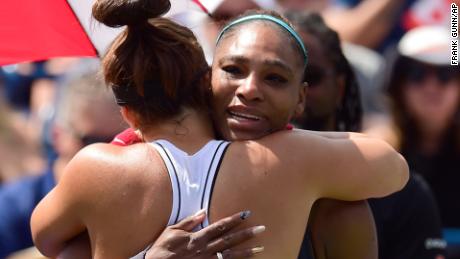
349 114
155 66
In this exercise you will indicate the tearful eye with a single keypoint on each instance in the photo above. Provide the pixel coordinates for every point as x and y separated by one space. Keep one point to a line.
233 70
277 79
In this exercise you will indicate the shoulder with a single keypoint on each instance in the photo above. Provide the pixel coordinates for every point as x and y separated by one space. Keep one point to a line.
101 169
289 146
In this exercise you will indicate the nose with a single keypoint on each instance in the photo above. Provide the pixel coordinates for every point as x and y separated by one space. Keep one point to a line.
250 89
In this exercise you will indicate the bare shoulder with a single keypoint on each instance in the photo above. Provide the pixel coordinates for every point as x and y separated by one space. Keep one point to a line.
101 169
288 145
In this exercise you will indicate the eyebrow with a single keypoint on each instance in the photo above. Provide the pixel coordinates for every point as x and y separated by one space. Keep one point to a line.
270 62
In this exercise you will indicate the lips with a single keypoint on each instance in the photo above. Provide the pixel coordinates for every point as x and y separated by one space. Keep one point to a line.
244 119
244 116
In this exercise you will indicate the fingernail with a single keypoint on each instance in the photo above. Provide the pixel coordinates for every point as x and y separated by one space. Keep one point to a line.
245 214
258 229
257 250
200 213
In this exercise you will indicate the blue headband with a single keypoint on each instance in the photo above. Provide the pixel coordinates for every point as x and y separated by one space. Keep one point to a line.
267 17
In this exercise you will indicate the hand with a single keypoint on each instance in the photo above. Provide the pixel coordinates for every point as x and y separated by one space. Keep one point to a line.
177 241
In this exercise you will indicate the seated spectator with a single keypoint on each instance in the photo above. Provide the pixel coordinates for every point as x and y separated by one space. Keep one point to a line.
424 90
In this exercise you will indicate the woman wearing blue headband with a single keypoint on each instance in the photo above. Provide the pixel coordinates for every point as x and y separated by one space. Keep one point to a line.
120 195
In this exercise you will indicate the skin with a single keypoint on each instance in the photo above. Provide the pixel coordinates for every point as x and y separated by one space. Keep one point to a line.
265 165
366 24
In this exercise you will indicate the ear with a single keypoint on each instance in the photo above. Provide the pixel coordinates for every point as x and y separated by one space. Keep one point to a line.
301 101
340 82
129 117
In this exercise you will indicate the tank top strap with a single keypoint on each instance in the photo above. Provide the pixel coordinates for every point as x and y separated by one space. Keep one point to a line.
192 176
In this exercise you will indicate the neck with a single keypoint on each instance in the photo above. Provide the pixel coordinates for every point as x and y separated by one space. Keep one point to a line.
189 131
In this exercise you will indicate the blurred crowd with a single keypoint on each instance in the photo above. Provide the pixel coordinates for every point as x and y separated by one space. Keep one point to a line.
400 87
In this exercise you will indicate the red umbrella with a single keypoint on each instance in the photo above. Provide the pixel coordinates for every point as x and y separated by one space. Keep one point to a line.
33 30
41 29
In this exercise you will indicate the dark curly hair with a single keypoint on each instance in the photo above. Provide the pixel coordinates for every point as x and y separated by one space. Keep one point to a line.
349 113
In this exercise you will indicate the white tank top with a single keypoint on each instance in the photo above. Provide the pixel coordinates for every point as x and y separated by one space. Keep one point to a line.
192 176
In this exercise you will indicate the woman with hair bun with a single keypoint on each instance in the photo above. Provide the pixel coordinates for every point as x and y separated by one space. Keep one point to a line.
158 73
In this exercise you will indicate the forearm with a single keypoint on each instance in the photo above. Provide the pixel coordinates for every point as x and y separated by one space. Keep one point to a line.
343 230
390 171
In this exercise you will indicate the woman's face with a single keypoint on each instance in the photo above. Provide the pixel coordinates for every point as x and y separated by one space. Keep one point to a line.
256 81
432 94
325 88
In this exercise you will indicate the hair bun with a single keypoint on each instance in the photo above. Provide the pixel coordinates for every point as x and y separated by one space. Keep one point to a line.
117 13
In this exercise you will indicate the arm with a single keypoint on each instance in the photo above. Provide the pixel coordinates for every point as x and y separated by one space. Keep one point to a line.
178 241
366 24
358 167
343 230
56 219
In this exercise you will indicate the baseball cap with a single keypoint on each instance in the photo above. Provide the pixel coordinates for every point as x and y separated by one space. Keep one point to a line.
427 44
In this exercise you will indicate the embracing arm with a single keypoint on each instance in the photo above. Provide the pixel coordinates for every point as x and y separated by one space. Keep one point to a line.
344 166
342 229
56 219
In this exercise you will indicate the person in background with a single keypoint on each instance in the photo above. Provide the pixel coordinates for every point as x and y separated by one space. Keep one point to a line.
29 92
86 114
407 222
380 24
424 91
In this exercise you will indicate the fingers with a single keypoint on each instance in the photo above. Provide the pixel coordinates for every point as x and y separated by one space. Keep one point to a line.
189 223
242 253
222 226
233 239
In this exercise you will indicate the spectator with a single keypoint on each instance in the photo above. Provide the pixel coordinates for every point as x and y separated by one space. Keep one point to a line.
408 223
424 91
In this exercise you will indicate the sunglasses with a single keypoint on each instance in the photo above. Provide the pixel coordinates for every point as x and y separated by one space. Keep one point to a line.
314 75
417 73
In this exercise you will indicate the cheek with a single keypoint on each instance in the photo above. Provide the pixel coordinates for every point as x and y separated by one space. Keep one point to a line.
221 94
412 99
452 98
282 106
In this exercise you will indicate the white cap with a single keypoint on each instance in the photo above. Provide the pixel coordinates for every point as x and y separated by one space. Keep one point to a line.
428 44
